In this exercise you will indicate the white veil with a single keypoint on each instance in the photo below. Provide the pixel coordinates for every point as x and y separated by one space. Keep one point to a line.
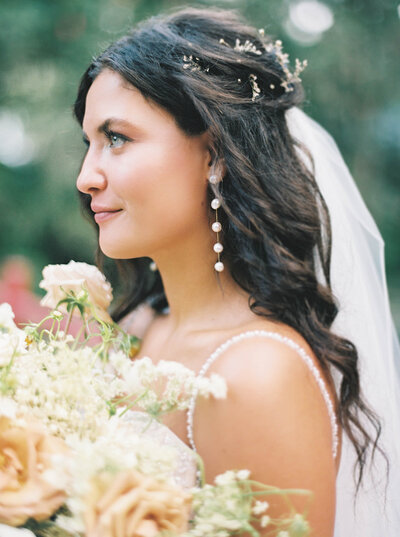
359 284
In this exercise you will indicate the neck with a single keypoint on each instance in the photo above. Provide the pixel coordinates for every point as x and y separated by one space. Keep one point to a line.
199 298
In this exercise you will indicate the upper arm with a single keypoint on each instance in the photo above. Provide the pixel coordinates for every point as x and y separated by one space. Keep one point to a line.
274 422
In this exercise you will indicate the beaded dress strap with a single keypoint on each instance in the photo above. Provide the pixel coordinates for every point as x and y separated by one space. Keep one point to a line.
290 343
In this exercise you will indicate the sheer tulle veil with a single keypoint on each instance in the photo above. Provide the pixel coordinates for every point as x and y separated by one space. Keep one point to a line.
359 284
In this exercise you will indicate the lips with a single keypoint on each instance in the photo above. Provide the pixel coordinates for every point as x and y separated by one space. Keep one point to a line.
103 213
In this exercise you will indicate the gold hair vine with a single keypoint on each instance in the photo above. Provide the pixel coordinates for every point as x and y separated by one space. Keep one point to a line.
283 59
247 46
194 63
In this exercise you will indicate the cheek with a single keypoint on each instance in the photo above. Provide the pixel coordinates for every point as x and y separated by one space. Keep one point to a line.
178 205
160 183
164 198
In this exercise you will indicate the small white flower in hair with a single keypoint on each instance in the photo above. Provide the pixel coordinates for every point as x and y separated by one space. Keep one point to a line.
248 46
191 63
283 59
254 87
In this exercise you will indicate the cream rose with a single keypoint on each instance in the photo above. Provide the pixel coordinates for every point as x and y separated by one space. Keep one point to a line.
12 339
27 456
7 317
58 279
133 505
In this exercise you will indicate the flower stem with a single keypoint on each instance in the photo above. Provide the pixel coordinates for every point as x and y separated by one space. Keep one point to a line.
134 402
69 320
78 335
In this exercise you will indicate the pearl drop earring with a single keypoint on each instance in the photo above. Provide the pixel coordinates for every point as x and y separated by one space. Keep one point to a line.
216 226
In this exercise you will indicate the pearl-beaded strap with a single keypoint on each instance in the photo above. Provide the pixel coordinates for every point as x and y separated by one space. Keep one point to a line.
290 343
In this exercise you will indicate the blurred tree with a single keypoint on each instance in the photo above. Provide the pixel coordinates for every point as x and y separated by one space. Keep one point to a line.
352 48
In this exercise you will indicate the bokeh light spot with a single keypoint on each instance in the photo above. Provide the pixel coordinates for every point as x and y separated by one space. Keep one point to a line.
308 20
16 148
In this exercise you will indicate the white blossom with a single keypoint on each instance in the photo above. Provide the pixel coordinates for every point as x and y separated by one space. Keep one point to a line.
7 316
167 385
265 520
8 408
12 339
61 388
226 478
243 474
259 507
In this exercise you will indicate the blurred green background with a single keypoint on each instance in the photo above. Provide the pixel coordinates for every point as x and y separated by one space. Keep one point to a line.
352 83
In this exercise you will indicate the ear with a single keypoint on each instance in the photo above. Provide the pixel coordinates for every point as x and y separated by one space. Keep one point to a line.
216 164
217 167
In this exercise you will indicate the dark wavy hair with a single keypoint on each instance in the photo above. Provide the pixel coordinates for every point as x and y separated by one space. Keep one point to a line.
275 222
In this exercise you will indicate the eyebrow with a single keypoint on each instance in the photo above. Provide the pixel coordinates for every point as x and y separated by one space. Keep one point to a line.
105 126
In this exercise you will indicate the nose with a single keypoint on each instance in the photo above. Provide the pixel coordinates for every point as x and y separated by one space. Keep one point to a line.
91 177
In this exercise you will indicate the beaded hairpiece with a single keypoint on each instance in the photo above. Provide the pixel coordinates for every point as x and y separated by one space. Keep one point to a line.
194 63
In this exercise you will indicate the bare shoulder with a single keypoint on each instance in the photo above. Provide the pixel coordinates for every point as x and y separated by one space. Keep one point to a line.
273 422
136 322
266 368
277 351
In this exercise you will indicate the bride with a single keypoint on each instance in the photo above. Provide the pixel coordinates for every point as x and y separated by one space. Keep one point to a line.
246 250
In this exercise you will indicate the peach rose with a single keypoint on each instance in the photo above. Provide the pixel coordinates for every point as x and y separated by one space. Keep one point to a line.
134 505
58 279
25 461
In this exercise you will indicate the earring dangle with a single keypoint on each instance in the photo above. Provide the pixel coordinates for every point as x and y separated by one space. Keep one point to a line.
216 227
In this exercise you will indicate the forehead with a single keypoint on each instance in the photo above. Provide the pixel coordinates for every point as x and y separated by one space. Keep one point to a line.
110 95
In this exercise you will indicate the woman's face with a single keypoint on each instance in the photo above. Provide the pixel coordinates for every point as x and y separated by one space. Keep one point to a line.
146 177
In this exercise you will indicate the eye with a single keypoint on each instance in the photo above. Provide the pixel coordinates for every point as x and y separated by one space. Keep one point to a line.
116 140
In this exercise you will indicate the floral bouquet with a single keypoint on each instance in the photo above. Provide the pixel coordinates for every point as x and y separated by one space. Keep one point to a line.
82 450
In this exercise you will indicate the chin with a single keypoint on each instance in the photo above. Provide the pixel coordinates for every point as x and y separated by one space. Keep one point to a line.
115 250
116 254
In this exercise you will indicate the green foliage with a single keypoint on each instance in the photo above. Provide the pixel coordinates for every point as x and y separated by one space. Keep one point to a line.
45 45
47 528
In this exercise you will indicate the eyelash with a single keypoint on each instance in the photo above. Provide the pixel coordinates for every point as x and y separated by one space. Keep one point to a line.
110 135
121 139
